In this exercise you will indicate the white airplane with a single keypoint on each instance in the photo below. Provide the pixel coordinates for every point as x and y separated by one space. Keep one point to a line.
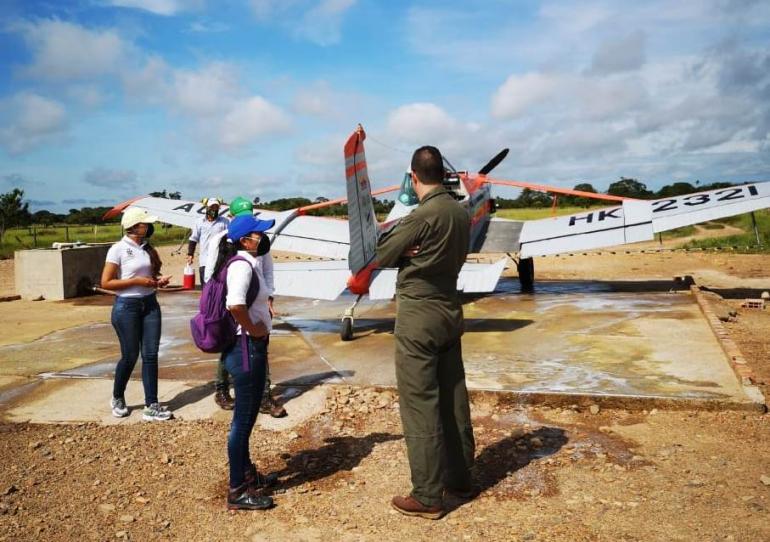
348 246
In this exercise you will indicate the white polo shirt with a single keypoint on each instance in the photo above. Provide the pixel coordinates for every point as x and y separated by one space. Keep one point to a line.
132 261
238 279
203 231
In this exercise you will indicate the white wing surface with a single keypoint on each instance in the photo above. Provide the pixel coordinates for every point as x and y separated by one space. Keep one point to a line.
314 280
311 235
474 278
637 220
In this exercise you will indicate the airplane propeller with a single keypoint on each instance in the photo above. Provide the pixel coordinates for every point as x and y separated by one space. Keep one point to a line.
494 162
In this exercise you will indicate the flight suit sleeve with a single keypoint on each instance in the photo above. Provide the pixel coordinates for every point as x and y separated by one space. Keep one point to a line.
407 233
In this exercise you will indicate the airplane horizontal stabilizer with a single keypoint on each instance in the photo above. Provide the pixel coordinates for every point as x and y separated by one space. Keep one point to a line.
474 278
314 280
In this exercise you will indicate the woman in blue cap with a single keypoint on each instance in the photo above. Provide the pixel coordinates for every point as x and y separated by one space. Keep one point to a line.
246 359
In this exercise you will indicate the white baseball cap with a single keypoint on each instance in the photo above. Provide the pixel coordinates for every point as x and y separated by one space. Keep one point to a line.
136 215
213 201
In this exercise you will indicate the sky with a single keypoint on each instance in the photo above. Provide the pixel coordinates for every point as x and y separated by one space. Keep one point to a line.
104 100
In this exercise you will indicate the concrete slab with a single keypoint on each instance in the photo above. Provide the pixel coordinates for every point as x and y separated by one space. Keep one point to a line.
573 341
87 400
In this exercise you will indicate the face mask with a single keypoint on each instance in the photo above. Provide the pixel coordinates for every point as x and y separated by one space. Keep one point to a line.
264 246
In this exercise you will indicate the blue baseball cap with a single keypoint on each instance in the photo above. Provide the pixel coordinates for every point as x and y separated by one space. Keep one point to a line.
243 225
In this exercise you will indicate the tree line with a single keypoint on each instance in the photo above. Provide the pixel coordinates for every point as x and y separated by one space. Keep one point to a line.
625 187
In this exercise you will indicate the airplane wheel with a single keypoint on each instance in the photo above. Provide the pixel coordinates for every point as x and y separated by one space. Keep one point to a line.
527 274
346 331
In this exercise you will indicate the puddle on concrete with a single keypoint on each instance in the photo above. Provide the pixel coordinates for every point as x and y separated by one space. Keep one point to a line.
567 337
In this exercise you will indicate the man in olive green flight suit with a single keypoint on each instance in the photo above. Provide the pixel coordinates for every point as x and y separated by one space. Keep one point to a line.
429 247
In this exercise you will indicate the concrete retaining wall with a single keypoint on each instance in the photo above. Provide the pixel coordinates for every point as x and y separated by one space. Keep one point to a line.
58 274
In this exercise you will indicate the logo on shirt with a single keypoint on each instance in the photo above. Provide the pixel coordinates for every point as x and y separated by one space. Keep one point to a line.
129 253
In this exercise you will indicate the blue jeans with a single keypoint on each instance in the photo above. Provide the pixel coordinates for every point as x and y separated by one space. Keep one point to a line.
248 385
137 322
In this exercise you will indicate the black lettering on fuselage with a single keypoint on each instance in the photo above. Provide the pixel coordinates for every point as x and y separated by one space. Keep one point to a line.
588 218
608 214
187 207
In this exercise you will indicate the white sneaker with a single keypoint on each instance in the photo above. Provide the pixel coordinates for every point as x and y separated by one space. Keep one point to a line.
119 408
156 413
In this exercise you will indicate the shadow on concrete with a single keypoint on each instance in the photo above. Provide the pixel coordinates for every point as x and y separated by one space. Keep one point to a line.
504 457
738 293
287 390
338 454
190 396
370 326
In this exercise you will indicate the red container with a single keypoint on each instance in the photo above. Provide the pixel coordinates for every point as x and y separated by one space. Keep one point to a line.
188 278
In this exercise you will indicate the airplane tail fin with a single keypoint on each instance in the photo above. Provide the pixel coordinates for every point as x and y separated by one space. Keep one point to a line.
361 218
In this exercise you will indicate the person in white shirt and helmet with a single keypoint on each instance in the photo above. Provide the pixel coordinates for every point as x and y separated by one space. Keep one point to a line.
209 225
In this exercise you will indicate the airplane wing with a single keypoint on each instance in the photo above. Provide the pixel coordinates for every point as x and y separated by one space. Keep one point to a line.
637 220
474 278
293 231
314 280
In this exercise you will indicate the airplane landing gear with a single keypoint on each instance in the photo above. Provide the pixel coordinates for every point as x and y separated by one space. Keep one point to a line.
348 319
526 267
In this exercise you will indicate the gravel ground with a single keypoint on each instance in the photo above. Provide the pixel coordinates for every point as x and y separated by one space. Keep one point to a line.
545 474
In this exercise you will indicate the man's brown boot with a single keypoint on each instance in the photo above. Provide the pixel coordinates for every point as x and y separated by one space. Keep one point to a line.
270 406
409 506
223 399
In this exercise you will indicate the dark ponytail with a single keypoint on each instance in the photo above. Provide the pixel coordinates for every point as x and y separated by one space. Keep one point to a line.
227 250
155 262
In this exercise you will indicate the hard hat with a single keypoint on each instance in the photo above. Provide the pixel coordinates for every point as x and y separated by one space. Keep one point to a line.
241 206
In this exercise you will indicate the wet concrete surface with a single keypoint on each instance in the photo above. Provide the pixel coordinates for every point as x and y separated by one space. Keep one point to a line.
575 338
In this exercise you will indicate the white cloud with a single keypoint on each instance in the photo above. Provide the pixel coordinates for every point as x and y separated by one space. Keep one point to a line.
207 91
87 95
207 27
29 120
65 51
519 93
160 7
249 120
619 55
421 123
323 23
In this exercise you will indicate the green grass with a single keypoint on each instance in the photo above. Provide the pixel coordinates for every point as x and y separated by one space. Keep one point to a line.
43 237
538 213
743 240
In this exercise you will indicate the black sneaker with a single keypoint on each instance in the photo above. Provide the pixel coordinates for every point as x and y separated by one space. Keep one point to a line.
258 481
243 498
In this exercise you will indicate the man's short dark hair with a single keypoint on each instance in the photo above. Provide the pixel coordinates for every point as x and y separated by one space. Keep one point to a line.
428 164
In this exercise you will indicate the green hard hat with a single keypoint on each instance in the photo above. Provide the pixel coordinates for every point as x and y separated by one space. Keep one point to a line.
241 206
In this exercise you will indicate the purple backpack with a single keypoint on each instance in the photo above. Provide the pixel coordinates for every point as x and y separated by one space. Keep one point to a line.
213 328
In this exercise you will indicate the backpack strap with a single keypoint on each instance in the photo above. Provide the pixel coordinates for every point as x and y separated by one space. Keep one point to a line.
251 296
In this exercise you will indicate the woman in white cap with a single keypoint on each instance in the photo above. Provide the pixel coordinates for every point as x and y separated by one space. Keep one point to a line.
132 269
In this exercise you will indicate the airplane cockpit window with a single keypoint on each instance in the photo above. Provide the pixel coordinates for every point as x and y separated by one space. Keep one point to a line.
407 195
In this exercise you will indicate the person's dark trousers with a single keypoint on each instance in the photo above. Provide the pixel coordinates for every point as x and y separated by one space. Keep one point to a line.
137 321
433 401
223 379
248 384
